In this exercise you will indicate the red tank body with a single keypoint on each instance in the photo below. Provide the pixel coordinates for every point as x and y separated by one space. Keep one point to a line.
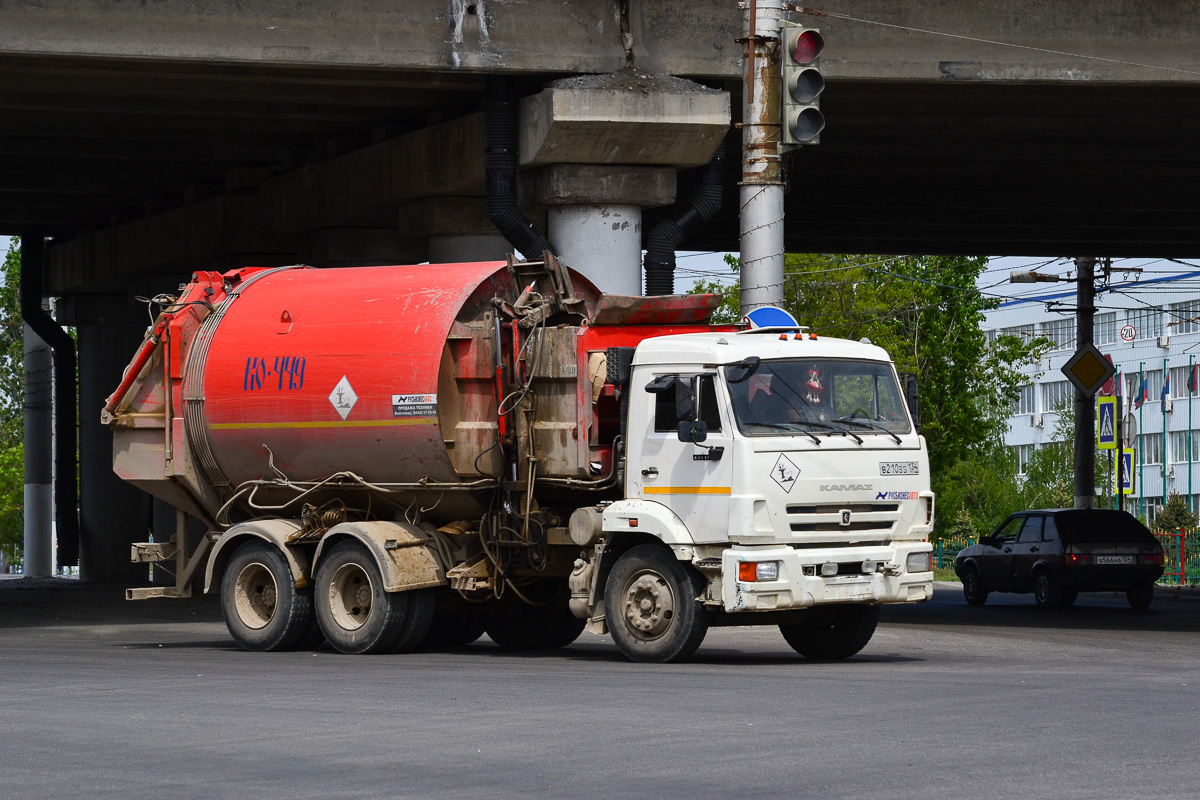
281 379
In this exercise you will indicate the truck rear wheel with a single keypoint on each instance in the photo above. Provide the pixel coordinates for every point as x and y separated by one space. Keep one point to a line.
829 633
456 627
651 605
263 609
356 615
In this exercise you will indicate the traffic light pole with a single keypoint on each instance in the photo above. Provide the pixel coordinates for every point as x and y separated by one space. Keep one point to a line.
761 187
1085 407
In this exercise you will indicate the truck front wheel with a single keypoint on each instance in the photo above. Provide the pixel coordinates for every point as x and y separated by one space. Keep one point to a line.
828 633
263 609
652 606
357 616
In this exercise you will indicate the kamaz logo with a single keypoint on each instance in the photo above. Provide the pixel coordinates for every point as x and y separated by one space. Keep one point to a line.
846 487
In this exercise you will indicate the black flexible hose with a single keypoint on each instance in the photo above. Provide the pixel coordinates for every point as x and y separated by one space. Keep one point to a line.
683 220
501 172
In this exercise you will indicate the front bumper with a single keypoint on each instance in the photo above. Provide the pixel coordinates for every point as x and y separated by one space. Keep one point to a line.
800 583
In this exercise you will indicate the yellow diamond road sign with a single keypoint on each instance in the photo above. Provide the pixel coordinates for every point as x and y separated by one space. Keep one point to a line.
1088 369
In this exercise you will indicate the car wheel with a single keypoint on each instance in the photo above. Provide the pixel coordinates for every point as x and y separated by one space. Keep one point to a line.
357 616
832 632
1068 596
263 609
1046 592
651 605
973 589
1140 595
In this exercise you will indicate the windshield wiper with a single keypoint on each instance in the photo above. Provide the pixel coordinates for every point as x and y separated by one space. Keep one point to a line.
825 426
786 426
862 423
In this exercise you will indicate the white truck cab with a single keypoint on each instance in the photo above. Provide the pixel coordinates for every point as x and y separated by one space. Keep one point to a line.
787 471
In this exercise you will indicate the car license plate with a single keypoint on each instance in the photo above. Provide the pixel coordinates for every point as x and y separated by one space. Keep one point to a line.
1114 559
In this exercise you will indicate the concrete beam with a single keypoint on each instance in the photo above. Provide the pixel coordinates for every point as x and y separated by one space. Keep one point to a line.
583 184
623 118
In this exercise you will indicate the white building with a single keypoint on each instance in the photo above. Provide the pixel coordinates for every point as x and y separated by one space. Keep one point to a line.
1164 315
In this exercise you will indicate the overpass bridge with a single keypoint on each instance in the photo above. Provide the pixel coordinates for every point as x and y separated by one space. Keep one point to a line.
148 141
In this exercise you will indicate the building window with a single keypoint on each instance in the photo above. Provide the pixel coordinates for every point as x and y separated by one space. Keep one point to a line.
1025 400
1146 321
1184 317
1056 393
1153 506
1024 453
1105 327
1179 446
1152 448
1179 379
1023 332
1060 331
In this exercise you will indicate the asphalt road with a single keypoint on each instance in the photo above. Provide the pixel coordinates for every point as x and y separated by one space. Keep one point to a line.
102 698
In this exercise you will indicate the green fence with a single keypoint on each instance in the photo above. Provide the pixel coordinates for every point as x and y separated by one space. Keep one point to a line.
1181 549
946 550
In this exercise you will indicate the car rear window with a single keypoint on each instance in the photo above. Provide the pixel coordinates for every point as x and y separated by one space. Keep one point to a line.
1103 526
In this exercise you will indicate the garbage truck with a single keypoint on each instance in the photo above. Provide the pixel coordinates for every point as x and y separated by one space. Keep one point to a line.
401 457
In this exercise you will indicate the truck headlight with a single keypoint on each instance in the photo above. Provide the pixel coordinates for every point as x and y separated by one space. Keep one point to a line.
919 562
753 571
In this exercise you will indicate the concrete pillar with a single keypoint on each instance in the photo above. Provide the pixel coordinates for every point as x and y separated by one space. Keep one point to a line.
39 457
604 147
360 247
456 228
113 514
594 217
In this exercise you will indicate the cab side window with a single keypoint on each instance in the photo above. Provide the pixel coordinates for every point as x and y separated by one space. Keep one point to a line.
666 416
1032 530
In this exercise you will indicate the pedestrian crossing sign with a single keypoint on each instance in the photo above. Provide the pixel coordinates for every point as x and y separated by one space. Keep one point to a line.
1106 423
1126 472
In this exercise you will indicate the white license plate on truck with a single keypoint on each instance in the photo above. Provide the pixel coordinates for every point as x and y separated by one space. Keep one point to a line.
847 591
1114 559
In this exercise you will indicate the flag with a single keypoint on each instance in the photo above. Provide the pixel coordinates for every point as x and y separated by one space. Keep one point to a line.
1193 378
1143 395
1166 391
1110 385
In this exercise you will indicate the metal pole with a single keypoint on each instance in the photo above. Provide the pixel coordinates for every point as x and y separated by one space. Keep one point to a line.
1191 391
1162 409
1141 448
761 187
1085 408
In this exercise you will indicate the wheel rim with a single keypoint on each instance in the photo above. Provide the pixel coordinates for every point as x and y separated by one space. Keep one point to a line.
969 584
1042 587
256 596
648 605
350 596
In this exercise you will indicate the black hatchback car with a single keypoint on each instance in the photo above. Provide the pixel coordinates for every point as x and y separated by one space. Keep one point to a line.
1058 553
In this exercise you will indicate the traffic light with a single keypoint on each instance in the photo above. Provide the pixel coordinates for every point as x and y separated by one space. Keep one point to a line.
802 120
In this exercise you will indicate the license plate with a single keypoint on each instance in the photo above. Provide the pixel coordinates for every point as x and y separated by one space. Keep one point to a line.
1114 559
847 591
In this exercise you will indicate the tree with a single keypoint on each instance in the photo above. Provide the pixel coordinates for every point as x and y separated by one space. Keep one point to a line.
12 448
1174 516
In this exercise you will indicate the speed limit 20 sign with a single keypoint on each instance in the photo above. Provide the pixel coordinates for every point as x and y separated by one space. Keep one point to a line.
1128 333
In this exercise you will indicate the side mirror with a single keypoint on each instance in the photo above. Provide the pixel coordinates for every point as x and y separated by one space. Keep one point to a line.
685 400
912 398
695 432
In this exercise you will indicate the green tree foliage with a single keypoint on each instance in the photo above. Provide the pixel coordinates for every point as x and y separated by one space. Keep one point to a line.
1174 515
12 448
926 312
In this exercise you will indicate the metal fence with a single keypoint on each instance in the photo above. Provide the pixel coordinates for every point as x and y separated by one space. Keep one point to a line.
1182 551
946 550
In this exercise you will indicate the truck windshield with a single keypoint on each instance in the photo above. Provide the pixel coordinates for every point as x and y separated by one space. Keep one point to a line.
802 396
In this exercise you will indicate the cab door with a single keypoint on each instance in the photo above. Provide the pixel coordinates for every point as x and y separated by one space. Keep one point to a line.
995 564
693 478
1027 552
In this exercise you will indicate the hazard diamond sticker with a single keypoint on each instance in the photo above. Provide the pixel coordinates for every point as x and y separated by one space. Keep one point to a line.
785 473
343 397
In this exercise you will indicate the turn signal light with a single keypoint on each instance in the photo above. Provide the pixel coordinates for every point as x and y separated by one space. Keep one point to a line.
753 571
1152 559
1076 559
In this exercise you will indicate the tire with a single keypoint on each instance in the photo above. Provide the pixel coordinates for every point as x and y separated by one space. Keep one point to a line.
973 589
651 605
356 615
456 627
263 609
1140 596
520 626
831 633
1046 592
1067 597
